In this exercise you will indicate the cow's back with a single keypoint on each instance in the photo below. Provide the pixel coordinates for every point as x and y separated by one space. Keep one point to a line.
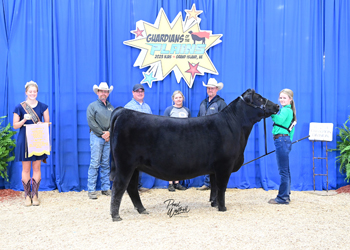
173 148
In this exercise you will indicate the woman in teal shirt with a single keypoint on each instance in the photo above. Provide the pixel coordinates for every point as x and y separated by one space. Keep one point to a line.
283 131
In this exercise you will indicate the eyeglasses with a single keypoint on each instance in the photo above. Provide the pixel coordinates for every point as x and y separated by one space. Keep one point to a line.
139 91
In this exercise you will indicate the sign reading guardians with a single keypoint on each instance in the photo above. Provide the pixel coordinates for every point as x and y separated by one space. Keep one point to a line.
180 46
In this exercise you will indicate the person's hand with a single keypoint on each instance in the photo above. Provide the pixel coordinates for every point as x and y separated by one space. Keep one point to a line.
105 135
27 117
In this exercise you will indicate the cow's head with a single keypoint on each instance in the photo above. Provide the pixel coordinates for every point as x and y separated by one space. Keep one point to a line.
255 100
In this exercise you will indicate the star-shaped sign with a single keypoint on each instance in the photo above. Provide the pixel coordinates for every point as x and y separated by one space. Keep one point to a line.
193 69
178 46
137 32
193 12
148 78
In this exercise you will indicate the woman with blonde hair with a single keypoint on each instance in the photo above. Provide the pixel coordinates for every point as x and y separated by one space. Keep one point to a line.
283 131
179 111
31 111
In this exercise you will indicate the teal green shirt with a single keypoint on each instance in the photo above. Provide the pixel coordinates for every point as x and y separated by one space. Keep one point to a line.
284 118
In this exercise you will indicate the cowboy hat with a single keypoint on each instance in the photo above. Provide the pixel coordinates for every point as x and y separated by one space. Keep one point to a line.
103 86
213 83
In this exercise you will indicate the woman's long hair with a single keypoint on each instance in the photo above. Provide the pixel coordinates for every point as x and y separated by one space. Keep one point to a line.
290 94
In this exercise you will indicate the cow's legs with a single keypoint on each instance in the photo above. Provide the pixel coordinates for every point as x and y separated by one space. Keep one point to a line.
221 183
134 193
119 186
213 190
118 189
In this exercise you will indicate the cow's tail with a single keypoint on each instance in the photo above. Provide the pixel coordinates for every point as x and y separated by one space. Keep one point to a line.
113 140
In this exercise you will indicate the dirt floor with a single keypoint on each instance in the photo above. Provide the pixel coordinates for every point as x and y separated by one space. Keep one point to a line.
313 220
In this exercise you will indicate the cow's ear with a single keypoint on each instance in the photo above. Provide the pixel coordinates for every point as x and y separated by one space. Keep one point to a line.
252 94
248 97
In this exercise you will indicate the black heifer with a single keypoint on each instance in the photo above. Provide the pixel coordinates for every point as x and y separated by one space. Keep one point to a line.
177 149
199 36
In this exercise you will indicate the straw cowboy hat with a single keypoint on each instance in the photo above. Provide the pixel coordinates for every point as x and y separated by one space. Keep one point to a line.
213 83
103 86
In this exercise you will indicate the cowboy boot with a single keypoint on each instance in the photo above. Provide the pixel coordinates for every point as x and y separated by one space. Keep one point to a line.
27 194
35 195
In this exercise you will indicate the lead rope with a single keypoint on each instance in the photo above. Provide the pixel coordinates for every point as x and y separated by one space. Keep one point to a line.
265 126
265 134
274 151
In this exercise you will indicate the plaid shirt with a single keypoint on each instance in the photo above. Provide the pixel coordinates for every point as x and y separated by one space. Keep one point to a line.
141 107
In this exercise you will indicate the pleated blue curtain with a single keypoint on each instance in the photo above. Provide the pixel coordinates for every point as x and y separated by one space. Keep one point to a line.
68 46
335 82
289 52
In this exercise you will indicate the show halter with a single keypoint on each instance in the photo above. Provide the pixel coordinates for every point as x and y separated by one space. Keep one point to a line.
263 107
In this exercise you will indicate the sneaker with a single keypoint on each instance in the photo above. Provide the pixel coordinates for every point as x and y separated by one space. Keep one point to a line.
107 192
273 201
142 189
92 195
171 188
179 186
204 187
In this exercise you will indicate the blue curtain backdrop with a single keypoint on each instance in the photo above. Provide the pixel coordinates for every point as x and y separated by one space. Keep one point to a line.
68 46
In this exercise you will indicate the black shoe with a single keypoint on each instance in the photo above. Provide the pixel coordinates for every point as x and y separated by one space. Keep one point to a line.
107 192
171 188
142 189
273 201
92 195
179 186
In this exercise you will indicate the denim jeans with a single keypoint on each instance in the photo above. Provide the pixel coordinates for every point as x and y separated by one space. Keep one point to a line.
99 158
207 180
283 147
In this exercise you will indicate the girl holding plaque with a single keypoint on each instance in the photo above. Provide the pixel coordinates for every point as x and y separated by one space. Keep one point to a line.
29 112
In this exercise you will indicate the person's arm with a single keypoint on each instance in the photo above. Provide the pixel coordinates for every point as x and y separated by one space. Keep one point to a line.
199 111
167 111
189 112
46 116
222 105
17 123
281 117
92 123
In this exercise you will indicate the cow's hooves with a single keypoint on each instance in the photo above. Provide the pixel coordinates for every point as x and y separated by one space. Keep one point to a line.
214 204
222 209
117 218
142 211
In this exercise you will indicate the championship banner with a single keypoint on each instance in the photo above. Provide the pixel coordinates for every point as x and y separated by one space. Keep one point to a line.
180 46
38 139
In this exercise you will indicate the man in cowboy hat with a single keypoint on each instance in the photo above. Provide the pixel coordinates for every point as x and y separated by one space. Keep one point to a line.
211 105
137 104
98 116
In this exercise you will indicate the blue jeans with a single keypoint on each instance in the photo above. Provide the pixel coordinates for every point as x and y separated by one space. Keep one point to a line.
99 158
283 147
207 180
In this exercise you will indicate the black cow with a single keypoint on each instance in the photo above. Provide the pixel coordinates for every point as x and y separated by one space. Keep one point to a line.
199 36
177 149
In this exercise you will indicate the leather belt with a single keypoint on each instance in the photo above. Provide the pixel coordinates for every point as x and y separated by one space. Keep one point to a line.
279 135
